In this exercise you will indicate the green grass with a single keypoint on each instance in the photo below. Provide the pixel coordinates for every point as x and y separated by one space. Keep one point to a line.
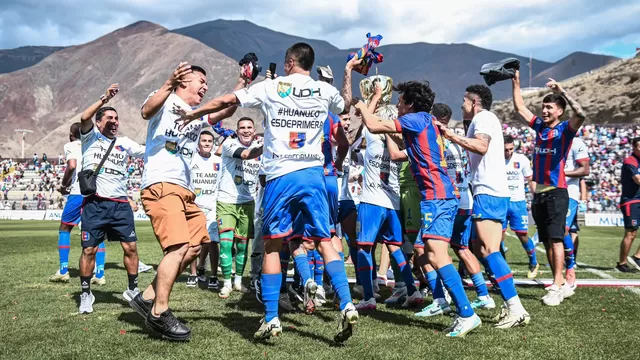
40 320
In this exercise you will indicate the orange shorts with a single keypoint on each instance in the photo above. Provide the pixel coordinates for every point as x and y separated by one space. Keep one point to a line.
175 217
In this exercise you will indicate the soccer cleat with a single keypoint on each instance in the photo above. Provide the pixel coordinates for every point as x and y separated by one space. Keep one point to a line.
462 326
268 329
258 286
381 280
568 290
634 261
192 281
168 326
426 292
358 290
328 289
348 318
140 305
99 281
225 291
554 296
200 273
285 303
57 277
130 294
367 305
320 298
513 320
483 302
504 312
413 300
625 268
86 303
295 293
434 309
533 271
310 290
237 286
376 290
399 292
142 267
213 283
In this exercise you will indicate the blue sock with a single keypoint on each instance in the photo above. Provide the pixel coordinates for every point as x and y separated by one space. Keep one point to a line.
101 256
311 260
531 252
480 284
353 255
569 258
284 267
502 274
64 246
270 294
365 267
405 270
338 276
453 283
341 255
435 283
302 265
485 264
318 270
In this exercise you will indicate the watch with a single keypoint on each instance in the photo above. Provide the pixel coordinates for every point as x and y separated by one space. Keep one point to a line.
103 98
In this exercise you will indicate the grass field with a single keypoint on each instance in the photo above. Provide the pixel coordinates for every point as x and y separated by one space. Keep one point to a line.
40 320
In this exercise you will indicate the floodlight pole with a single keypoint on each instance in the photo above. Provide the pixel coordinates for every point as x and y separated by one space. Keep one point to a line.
24 134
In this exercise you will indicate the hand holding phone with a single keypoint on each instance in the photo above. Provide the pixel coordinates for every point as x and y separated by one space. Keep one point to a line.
272 70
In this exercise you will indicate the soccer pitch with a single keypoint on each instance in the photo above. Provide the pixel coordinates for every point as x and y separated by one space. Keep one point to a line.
40 319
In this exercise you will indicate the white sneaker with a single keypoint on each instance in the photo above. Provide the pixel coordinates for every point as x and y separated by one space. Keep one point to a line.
348 318
86 303
142 267
310 289
462 326
57 277
381 280
513 320
320 298
413 300
285 303
225 291
483 302
268 329
447 296
554 296
568 290
237 286
367 305
99 281
435 309
130 294
398 293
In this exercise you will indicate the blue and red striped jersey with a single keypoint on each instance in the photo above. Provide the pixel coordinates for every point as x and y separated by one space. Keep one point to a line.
425 148
630 190
330 126
551 151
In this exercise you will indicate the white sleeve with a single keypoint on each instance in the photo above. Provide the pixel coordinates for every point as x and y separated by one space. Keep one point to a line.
89 138
484 126
134 149
526 167
336 102
229 147
580 150
254 96
70 154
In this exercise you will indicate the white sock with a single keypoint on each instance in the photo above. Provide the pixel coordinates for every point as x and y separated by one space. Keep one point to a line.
515 306
237 280
227 282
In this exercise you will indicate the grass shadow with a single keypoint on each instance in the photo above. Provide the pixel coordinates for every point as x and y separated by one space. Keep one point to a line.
401 319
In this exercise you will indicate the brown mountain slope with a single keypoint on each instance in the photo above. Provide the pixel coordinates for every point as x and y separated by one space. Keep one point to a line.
608 95
49 96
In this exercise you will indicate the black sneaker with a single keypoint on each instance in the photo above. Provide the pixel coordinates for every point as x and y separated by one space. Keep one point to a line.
192 281
625 268
200 273
634 261
258 287
213 283
168 326
140 305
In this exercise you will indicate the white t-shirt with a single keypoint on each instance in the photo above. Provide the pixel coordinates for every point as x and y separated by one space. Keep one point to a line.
380 183
343 178
73 151
239 178
458 170
487 172
577 153
518 169
112 180
295 109
204 180
169 151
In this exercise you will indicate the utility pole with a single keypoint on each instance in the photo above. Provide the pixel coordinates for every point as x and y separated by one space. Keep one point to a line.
24 134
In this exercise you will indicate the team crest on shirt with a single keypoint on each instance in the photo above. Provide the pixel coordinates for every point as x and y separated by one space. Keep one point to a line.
237 180
197 191
634 223
171 147
516 165
284 89
119 147
384 177
85 236
216 167
297 139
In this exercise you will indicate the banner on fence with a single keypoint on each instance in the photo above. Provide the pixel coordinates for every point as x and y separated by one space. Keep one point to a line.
603 219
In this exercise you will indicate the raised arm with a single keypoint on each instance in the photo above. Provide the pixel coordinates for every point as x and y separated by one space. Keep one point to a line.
375 124
524 114
578 117
215 118
86 122
155 102
394 151
346 81
248 154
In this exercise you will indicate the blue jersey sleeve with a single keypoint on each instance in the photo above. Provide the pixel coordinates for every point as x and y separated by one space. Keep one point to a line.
536 124
414 122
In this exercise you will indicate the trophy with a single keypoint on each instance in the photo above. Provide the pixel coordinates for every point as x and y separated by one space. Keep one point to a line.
367 86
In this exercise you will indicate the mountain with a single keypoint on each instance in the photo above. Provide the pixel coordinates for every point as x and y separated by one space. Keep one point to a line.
450 68
610 94
23 57
50 95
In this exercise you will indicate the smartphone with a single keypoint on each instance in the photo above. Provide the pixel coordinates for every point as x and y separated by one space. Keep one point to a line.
272 70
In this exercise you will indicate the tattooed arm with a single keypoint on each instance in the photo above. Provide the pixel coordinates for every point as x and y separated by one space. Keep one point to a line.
579 116
346 82
479 144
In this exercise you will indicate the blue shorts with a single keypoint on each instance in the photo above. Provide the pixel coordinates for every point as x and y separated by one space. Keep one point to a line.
213 232
517 217
102 217
345 208
462 229
574 226
487 207
378 223
331 183
572 214
437 219
72 210
296 201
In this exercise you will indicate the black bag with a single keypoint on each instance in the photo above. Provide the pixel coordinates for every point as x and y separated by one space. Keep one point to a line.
87 178
502 70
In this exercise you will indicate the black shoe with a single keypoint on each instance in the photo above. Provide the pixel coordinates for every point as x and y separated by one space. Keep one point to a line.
634 261
140 305
200 271
213 283
625 268
168 326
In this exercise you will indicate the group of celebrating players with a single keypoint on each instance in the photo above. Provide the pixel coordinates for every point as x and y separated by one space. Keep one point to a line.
425 187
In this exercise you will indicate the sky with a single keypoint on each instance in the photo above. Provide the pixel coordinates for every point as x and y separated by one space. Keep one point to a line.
547 29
